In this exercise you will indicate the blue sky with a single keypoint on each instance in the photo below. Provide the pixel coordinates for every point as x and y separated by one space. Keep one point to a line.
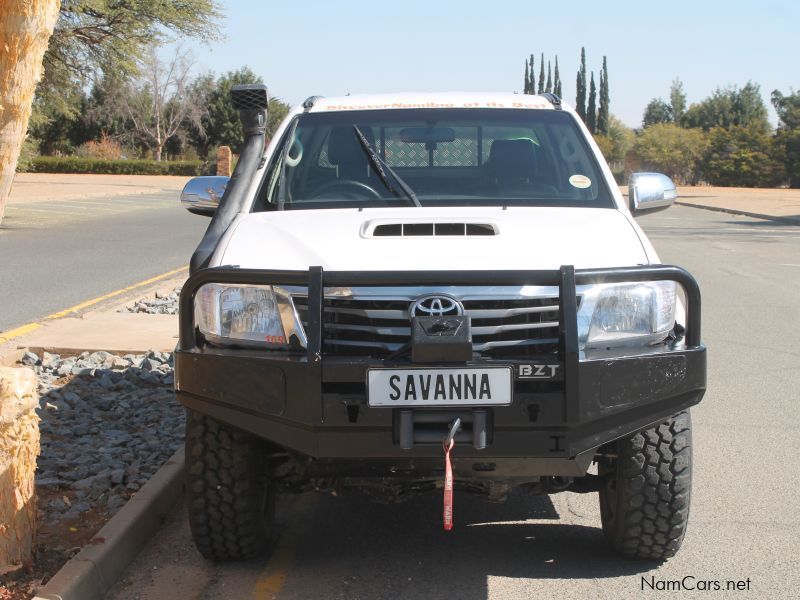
331 48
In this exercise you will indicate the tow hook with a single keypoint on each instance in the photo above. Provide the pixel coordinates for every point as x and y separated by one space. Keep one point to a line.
448 444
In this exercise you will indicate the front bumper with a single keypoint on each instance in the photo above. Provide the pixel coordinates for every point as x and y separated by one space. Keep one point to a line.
316 405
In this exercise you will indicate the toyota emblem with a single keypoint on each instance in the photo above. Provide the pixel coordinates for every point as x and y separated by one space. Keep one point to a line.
435 306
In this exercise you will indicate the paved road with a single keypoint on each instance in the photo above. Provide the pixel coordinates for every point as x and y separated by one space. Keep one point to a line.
744 522
58 253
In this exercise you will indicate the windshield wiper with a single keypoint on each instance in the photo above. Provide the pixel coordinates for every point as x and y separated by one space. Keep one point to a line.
378 164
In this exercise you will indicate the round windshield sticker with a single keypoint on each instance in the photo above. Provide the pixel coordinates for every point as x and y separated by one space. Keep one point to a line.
580 181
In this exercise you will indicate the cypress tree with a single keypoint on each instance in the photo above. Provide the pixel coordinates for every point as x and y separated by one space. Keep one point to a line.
531 79
580 84
541 74
549 86
603 112
527 79
591 113
557 81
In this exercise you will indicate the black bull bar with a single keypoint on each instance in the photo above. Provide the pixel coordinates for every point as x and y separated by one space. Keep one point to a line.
606 395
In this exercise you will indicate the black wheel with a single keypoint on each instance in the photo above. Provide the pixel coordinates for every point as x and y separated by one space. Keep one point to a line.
644 503
231 504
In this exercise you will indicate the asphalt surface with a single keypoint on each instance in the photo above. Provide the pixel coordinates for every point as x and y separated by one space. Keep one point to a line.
744 523
59 253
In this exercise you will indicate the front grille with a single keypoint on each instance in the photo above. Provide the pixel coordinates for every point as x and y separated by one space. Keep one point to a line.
377 328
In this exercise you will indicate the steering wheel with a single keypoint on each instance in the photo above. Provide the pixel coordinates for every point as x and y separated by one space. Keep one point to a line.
355 188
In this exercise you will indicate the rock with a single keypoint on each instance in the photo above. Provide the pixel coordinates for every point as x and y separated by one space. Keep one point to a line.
65 367
79 507
115 502
49 482
119 364
117 476
79 473
100 480
100 357
30 359
48 360
71 398
58 504
106 382
148 364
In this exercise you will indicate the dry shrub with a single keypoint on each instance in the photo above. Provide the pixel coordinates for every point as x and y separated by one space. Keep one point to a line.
106 148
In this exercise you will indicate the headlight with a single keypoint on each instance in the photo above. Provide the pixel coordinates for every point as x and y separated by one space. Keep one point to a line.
626 314
247 315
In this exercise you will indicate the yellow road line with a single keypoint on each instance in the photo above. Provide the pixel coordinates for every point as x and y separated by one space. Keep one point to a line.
29 327
88 303
15 333
270 584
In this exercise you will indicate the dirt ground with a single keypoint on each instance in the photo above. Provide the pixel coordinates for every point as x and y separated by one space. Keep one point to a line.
41 187
56 543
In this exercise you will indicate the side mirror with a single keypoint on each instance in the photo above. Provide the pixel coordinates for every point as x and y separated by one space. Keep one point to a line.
650 192
201 195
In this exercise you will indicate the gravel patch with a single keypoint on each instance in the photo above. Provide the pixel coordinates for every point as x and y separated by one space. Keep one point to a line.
108 423
160 304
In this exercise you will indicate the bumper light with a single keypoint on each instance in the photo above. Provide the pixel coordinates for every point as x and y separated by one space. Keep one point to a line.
253 315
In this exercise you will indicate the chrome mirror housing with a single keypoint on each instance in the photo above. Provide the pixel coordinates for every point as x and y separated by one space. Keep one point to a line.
202 195
650 192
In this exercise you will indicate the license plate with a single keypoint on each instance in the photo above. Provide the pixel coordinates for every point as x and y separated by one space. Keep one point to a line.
442 386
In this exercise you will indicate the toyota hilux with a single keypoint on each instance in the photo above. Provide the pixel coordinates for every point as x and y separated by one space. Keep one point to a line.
414 293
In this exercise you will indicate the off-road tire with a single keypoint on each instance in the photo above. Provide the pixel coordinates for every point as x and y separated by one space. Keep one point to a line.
644 503
230 501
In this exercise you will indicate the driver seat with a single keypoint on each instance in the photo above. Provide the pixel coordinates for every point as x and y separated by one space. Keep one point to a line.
347 155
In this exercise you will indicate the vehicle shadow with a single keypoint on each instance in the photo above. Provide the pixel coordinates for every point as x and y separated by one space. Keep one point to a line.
354 548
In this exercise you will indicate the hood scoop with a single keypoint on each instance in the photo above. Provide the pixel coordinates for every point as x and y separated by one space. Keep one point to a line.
418 229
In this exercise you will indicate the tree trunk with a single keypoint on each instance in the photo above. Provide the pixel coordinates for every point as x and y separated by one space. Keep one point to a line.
25 29
19 447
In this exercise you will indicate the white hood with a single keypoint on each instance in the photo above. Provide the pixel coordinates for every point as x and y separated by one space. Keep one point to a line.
341 240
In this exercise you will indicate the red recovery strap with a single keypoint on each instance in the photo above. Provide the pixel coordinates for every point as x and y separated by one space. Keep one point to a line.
448 486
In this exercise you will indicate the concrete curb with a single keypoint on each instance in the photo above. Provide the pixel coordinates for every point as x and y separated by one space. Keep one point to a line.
98 566
744 213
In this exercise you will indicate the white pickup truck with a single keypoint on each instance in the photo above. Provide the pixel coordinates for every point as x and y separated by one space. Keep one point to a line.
407 293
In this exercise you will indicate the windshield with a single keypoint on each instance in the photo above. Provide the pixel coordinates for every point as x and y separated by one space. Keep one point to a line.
434 157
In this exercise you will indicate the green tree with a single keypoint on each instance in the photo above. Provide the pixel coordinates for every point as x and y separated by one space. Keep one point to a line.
112 36
556 80
580 83
541 74
603 110
787 139
657 111
729 107
548 87
527 79
605 144
220 123
622 138
741 156
672 150
58 129
591 110
677 100
532 79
